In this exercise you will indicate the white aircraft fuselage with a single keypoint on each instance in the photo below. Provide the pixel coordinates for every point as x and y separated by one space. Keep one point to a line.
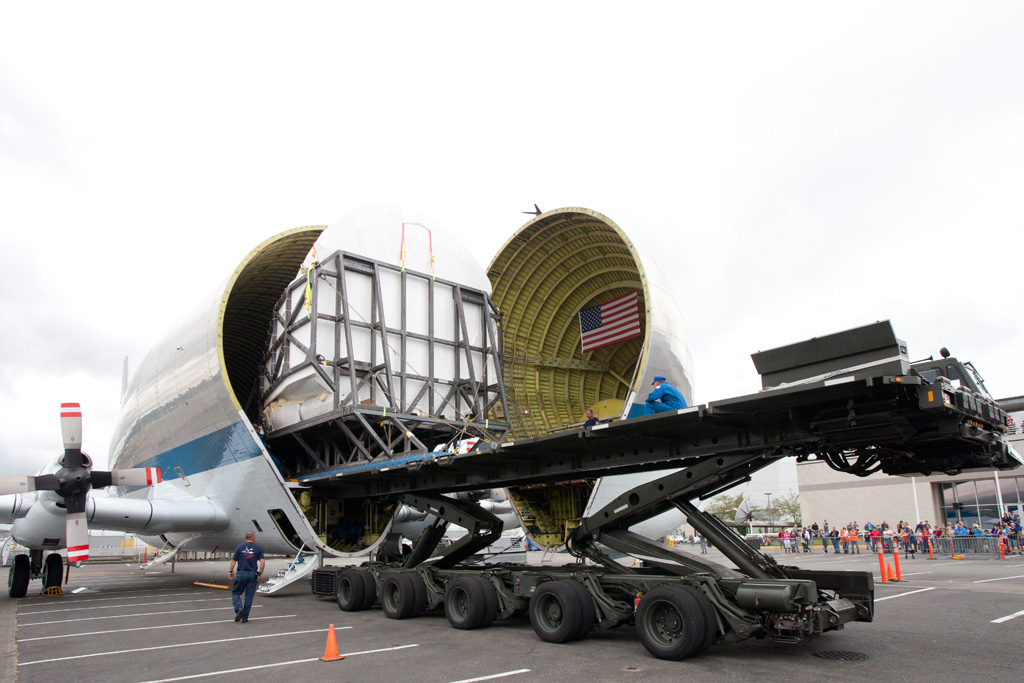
186 410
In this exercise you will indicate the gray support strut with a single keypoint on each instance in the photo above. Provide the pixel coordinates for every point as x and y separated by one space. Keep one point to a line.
482 529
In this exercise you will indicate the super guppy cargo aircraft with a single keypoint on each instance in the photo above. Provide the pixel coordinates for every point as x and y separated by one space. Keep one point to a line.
372 343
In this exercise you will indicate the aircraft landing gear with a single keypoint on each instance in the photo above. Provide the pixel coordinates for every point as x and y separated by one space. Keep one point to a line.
53 571
17 579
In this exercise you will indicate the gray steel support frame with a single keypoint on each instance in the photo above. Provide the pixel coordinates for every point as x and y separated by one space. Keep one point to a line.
852 593
882 423
610 525
398 420
482 529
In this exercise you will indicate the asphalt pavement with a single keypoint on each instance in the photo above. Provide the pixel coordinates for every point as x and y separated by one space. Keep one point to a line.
947 620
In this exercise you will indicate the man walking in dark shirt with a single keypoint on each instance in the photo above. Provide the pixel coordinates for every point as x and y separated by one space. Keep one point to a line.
249 558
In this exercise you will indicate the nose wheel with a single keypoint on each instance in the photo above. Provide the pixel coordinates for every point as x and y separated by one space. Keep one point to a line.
53 571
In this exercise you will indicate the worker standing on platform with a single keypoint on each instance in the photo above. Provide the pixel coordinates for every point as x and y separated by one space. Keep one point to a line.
665 397
591 419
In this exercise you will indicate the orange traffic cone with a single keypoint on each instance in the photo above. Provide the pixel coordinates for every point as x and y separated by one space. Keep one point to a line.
892 576
331 651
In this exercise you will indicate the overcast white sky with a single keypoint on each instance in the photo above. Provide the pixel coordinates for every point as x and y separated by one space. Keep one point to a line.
799 168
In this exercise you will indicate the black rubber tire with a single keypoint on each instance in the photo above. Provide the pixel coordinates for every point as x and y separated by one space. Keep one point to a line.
557 613
18 576
350 590
588 607
710 619
419 594
470 602
369 588
402 596
53 570
491 598
671 623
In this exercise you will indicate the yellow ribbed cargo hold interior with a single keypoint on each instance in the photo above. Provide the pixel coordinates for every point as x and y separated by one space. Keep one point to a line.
554 266
557 264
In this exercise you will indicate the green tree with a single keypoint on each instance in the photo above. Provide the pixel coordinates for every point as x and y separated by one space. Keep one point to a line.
787 507
724 506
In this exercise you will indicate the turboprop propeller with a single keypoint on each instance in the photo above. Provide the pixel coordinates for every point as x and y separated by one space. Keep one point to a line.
75 478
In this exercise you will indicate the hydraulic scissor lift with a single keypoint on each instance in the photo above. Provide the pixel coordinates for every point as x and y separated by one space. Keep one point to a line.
851 399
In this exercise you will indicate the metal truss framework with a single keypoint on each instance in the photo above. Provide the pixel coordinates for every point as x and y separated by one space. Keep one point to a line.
405 412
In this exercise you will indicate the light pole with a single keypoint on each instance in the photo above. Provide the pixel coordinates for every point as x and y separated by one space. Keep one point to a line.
771 517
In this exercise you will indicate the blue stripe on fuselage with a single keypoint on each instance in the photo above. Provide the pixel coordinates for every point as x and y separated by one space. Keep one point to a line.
226 446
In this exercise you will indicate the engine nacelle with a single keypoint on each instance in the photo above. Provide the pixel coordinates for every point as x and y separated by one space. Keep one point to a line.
12 507
155 517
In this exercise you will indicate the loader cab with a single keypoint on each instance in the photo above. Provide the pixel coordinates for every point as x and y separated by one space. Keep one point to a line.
954 370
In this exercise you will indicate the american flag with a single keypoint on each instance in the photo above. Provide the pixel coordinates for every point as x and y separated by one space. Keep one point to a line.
610 323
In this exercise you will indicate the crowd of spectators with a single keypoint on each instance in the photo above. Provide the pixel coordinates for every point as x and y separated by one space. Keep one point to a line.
881 537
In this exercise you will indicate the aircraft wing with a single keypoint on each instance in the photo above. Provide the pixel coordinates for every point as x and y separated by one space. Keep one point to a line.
36 522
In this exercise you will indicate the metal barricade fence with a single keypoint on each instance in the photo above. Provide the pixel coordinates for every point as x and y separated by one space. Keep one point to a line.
944 546
948 546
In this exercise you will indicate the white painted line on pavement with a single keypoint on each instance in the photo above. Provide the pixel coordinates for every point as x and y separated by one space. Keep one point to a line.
148 628
84 599
879 582
225 598
900 595
916 573
128 616
493 676
268 666
165 647
1005 578
1008 617
88 596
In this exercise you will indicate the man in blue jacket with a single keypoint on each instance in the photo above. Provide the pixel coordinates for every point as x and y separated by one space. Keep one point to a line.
665 397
